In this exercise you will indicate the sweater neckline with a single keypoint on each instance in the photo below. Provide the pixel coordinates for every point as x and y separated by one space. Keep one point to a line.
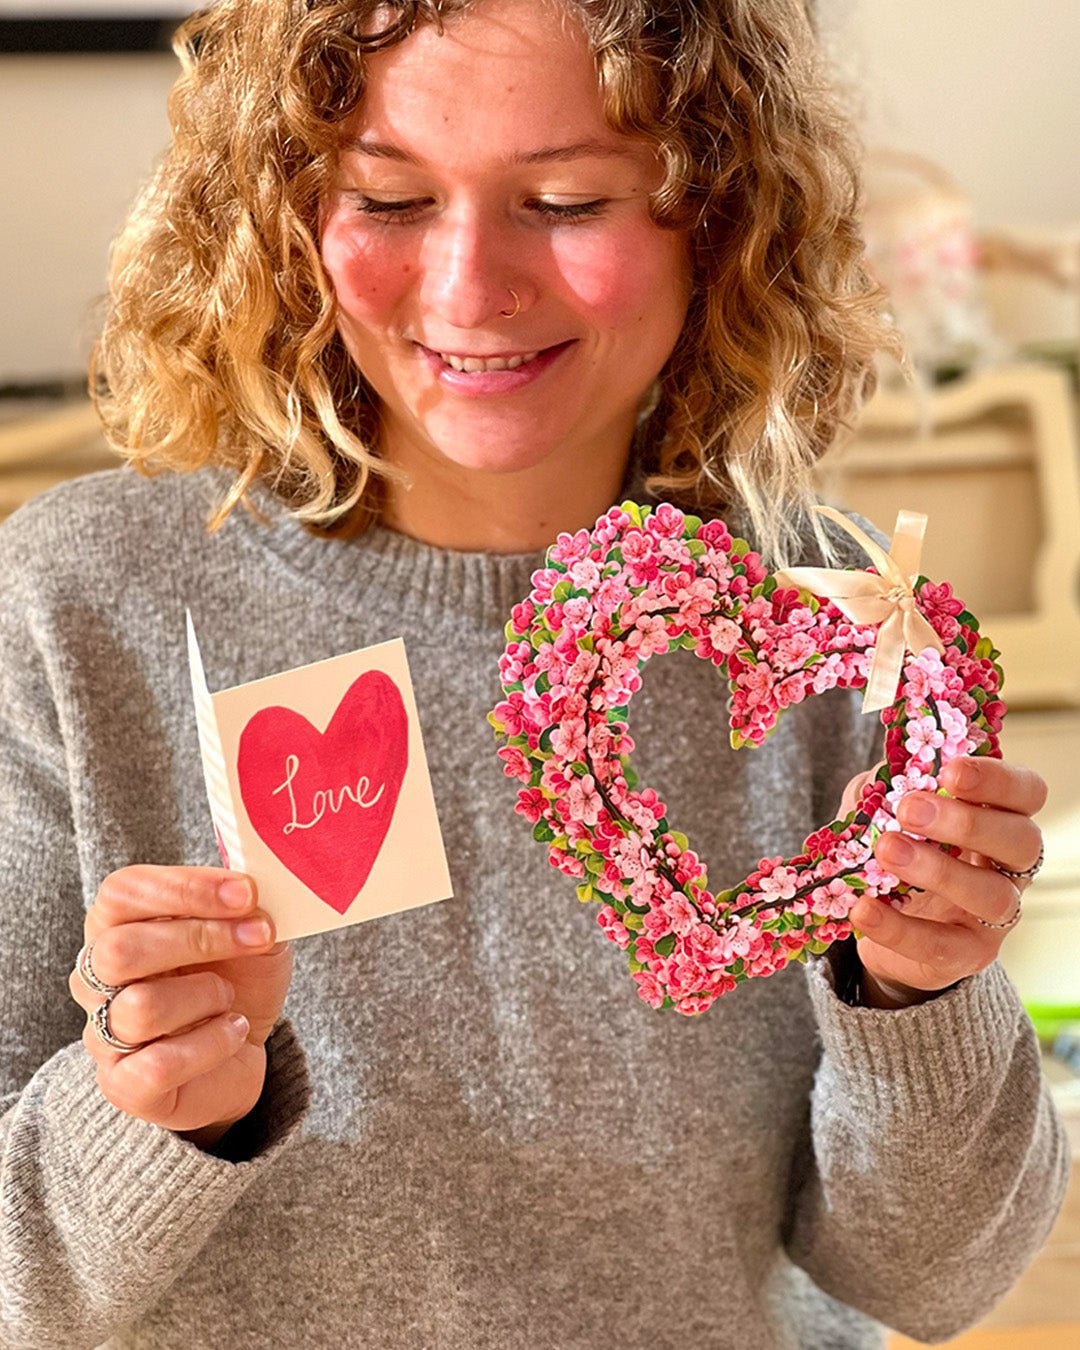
402 573
395 571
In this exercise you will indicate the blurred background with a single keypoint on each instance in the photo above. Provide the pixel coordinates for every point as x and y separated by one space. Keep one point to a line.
971 120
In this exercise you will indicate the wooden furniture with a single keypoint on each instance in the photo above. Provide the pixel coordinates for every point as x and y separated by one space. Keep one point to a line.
994 461
39 450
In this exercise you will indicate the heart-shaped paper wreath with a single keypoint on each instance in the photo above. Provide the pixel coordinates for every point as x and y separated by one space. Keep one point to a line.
649 581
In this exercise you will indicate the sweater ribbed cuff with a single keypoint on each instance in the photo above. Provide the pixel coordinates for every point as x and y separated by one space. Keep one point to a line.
129 1178
929 1055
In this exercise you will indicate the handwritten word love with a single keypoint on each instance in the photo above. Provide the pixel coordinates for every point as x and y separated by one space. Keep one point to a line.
324 799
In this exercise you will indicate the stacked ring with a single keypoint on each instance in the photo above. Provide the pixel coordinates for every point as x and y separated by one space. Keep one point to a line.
99 1020
86 974
1009 923
1028 874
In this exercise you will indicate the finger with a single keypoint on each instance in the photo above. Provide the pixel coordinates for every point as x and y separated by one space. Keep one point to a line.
147 892
993 782
147 1009
1009 838
134 951
919 953
979 891
145 1082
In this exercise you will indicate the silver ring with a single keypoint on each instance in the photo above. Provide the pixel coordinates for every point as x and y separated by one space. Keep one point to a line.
86 974
99 1020
1009 923
1027 874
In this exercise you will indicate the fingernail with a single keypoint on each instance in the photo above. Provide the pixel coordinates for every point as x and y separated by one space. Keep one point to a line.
896 849
235 893
918 810
239 1024
962 774
253 932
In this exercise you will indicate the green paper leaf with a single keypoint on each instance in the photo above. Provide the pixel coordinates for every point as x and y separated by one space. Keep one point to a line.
666 945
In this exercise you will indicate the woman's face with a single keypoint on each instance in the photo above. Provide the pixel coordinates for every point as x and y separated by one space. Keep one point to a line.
480 163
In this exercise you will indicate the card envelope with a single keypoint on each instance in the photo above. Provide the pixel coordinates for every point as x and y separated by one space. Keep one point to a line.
319 789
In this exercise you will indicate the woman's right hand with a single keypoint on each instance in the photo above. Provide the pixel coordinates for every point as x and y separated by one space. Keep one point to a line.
180 940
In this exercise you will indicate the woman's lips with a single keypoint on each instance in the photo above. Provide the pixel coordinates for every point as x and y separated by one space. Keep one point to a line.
484 382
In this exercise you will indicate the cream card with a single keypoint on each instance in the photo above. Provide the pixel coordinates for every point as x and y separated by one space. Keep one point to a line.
319 789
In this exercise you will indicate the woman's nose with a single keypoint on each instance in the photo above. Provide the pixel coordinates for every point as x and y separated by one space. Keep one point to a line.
469 266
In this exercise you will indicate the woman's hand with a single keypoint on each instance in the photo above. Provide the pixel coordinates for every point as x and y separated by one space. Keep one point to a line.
204 984
937 939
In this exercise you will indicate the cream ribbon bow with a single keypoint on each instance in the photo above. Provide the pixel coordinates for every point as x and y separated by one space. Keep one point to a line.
887 599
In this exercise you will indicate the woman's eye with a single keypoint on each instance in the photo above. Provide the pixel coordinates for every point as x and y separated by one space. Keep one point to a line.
567 210
402 211
405 210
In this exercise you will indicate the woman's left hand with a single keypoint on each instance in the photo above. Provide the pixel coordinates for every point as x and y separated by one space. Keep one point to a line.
908 956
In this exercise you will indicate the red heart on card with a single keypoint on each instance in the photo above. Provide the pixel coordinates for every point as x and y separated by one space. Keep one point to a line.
322 802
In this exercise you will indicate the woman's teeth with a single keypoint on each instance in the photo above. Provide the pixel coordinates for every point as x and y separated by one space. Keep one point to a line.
473 365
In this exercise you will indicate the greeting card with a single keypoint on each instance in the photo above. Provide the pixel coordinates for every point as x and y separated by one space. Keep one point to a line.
319 789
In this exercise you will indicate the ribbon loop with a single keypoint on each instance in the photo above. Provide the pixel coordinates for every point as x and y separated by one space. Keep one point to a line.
887 599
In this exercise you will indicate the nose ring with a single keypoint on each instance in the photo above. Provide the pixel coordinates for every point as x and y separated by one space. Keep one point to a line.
512 313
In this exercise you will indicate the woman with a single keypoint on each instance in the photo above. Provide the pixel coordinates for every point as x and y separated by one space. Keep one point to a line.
408 285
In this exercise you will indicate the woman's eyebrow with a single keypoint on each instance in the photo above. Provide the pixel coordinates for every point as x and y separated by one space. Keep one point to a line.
550 154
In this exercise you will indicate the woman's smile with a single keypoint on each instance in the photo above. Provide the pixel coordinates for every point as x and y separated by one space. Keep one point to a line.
473 375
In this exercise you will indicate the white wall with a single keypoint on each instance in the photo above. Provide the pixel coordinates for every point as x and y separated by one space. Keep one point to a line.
987 87
79 133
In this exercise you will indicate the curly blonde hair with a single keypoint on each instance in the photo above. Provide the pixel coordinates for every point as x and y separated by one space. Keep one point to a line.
220 344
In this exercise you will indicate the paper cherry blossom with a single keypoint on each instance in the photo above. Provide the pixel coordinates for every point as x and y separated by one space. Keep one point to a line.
647 581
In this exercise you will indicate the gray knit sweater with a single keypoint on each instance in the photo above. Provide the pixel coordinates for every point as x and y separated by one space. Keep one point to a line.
473 1134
